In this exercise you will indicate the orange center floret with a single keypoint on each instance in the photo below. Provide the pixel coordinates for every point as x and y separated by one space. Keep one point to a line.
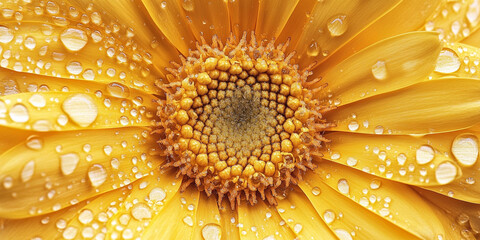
237 121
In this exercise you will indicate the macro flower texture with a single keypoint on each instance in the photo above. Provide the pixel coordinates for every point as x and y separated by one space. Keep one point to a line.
239 119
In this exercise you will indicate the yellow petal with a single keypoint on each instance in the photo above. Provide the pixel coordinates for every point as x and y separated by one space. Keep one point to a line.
302 218
389 25
455 20
418 109
377 208
229 220
272 17
177 218
407 159
208 225
57 40
54 111
208 19
334 23
386 66
243 16
473 39
11 137
299 17
55 170
459 60
170 18
261 221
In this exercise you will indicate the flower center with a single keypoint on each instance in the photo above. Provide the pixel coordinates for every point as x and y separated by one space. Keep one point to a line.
238 120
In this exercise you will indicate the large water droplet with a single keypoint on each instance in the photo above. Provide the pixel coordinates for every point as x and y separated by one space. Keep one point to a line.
86 216
447 62
445 172
343 186
141 211
74 68
97 175
212 231
68 163
343 234
425 154
188 5
27 171
316 191
6 34
157 195
313 50
81 109
465 149
19 113
37 100
74 39
118 90
329 216
337 25
34 142
379 70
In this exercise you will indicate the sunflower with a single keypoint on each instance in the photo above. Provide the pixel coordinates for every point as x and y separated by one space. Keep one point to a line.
240 119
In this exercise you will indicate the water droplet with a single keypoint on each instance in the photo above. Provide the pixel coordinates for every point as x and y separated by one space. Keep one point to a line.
27 171
212 231
97 175
34 142
19 113
118 90
74 68
313 50
425 154
447 62
81 109
473 12
465 149
68 163
74 39
329 216
141 211
6 34
401 159
107 149
86 216
337 25
343 234
378 130
316 191
30 43
188 220
70 233
115 163
353 126
375 184
157 195
343 186
7 182
124 120
188 5
351 161
379 70
37 100
445 172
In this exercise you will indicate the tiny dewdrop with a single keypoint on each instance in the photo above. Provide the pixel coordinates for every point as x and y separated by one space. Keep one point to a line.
238 120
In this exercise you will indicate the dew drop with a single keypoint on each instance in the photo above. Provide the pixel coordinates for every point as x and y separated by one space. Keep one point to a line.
141 211
27 171
425 154
74 68
343 186
343 234
81 109
351 161
188 221
316 191
212 231
6 34
74 39
375 184
329 216
86 216
7 182
353 126
34 142
379 70
107 149
401 159
37 100
118 90
313 50
68 163
447 62
30 43
337 25
70 233
445 172
97 175
465 149
188 5
19 113
157 195
473 12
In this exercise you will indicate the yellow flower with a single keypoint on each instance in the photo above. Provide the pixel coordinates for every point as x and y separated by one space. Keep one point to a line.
240 119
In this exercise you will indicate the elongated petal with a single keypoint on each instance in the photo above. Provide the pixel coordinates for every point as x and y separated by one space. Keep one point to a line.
208 225
261 221
177 219
272 17
56 170
86 46
334 23
388 65
396 208
302 218
389 25
208 19
243 16
419 109
229 219
49 111
170 19
473 39
299 17
407 159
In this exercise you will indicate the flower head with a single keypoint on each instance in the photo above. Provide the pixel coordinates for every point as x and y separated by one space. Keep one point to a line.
239 119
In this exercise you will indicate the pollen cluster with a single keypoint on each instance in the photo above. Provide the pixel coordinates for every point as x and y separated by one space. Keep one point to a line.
238 120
